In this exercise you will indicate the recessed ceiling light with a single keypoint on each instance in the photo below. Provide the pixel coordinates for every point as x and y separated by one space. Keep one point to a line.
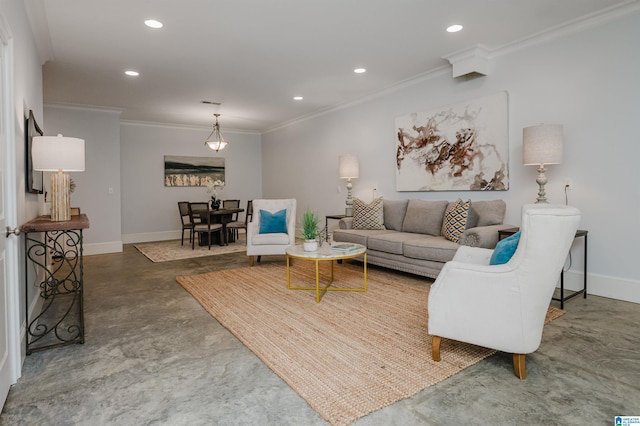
359 70
152 23
454 28
132 73
298 98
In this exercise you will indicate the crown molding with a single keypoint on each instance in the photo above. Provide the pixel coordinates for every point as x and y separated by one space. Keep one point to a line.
225 130
436 72
37 17
62 105
577 25
583 23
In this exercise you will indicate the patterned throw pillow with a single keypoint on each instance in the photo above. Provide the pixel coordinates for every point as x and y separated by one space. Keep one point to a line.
368 216
455 220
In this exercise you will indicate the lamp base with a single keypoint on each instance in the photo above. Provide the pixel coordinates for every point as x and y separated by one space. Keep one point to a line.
348 211
542 181
60 202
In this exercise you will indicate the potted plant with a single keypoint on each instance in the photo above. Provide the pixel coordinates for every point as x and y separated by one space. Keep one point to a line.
310 222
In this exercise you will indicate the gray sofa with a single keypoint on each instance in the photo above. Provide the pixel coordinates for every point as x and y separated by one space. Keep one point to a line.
412 241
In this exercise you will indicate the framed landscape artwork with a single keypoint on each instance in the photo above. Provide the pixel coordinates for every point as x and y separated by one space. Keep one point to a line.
460 147
34 180
192 171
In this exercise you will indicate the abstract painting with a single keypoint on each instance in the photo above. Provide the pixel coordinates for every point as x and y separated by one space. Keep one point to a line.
192 171
460 147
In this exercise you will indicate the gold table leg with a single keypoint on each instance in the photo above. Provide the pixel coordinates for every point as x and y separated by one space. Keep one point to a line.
321 291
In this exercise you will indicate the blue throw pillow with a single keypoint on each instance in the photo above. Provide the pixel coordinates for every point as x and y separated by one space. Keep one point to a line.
273 223
505 249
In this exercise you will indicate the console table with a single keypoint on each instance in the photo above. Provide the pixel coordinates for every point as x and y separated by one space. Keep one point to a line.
56 249
579 233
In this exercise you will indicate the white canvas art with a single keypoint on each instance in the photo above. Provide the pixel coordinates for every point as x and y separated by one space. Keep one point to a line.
461 147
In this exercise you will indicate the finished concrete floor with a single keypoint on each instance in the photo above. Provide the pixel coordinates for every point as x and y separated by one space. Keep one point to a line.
154 356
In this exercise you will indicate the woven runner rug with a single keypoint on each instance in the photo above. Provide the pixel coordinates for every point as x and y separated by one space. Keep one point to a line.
350 354
163 251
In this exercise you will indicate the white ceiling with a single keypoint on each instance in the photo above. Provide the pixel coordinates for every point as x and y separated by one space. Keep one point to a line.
253 56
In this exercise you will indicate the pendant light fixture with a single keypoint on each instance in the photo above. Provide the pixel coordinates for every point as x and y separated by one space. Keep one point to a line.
215 140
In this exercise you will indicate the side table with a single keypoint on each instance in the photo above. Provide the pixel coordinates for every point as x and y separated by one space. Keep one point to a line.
57 250
326 222
579 233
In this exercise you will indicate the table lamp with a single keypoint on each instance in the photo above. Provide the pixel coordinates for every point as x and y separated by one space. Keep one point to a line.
58 154
542 144
349 168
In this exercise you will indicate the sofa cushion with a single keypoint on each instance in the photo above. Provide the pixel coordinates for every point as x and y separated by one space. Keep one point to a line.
390 241
485 213
429 247
394 212
368 216
358 236
270 239
424 217
455 219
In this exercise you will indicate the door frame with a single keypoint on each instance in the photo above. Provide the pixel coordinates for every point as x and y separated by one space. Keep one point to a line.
12 260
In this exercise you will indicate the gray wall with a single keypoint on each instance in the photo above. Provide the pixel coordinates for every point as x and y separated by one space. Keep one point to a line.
585 80
100 130
144 195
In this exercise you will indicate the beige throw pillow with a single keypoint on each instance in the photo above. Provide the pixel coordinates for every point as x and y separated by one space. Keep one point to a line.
455 220
368 216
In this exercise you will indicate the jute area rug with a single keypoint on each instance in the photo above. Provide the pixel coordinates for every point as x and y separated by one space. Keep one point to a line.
163 251
350 354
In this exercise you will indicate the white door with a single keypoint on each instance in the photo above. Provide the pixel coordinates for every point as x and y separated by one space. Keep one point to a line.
9 290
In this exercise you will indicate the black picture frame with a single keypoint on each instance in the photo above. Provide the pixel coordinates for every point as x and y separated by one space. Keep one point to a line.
34 179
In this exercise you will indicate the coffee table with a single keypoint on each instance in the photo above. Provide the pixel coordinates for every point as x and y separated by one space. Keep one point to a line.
326 253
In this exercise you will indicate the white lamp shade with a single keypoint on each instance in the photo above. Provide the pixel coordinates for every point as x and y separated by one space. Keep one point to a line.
53 153
349 167
542 144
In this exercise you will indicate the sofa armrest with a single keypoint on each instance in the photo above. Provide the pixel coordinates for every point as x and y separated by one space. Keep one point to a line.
346 223
482 236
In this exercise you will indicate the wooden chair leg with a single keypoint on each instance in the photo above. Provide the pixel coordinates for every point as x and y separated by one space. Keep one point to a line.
520 366
435 347
250 260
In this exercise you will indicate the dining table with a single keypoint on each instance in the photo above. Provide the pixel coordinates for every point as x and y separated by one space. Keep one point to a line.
222 216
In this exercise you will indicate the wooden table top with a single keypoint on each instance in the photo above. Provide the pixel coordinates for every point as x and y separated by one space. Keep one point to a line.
45 224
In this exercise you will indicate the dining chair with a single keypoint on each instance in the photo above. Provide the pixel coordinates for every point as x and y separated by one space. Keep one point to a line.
185 218
236 225
202 210
231 204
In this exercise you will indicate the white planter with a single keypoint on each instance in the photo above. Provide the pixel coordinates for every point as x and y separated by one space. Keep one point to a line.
310 245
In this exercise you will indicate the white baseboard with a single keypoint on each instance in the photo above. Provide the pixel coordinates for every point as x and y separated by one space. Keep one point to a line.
146 237
102 248
153 236
605 286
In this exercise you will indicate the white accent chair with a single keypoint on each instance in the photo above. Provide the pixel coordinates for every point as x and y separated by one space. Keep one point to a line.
270 244
503 307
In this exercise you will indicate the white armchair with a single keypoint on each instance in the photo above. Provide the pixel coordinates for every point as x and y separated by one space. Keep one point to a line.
270 243
503 307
